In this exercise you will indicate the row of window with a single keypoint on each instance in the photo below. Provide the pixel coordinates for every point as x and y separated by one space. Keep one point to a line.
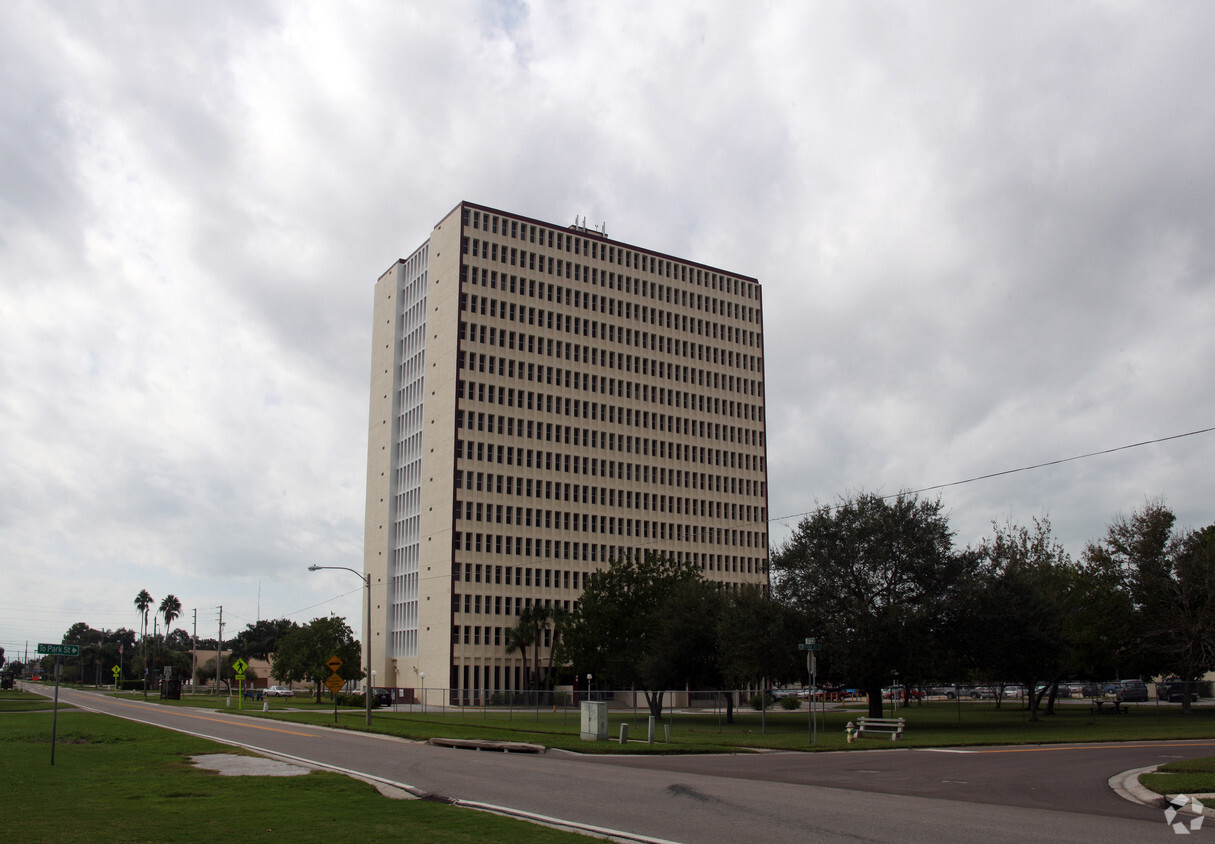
596 496
558 578
596 467
577 379
594 523
564 461
599 250
613 332
478 635
515 576
595 355
571 296
511 426
611 413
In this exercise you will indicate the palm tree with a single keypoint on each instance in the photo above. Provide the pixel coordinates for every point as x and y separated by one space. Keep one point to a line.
520 638
143 603
170 608
559 618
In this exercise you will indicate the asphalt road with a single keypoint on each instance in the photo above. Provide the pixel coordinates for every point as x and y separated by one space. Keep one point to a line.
1021 794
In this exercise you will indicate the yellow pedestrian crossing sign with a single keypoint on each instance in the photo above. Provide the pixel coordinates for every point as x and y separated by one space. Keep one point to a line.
116 671
239 666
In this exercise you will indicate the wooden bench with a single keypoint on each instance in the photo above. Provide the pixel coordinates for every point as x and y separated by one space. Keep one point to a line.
893 726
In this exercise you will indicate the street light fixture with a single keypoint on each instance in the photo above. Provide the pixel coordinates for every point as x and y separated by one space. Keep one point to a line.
366 578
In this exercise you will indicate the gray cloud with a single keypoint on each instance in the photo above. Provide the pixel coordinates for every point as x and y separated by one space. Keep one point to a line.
984 234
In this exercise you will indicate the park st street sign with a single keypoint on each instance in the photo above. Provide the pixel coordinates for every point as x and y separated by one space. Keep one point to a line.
59 650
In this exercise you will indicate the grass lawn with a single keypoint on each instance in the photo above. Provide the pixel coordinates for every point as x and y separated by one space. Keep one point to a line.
12 700
1185 776
929 724
932 724
119 781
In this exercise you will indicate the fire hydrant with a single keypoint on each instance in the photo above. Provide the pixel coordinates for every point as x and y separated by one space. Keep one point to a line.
850 732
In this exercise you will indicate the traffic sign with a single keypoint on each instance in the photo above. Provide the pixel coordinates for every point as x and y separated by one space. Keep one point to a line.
239 666
115 670
810 646
240 677
334 663
335 682
59 650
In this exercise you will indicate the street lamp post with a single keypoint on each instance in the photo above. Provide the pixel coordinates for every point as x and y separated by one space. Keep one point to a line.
422 675
366 578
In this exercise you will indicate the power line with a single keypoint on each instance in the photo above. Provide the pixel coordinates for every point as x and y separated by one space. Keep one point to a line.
1025 468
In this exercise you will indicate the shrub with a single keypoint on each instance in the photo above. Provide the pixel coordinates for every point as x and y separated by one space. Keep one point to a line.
760 701
790 703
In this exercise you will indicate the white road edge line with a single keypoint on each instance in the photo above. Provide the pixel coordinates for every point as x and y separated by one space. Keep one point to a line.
615 834
943 750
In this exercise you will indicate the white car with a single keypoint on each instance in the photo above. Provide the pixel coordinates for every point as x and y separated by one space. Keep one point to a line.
277 691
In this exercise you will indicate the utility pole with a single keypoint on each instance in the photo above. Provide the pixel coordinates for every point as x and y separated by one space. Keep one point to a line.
194 658
219 651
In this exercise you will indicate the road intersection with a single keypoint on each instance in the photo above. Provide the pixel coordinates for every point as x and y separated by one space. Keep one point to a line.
990 794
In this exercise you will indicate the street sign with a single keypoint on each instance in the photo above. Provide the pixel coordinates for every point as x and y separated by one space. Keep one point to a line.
810 646
59 650
335 682
240 678
334 663
239 666
115 671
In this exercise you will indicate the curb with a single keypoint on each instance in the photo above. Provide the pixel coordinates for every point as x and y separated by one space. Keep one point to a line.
1126 785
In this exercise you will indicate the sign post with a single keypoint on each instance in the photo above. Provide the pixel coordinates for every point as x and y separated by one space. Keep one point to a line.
59 652
811 646
116 671
335 682
239 667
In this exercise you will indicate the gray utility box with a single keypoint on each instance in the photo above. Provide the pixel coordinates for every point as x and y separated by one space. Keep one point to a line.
594 720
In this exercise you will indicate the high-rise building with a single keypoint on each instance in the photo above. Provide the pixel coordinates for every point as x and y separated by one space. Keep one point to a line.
544 400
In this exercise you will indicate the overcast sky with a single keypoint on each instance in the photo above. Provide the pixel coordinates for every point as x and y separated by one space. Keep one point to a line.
985 232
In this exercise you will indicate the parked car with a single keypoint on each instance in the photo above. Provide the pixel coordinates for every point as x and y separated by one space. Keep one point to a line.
277 691
1133 691
1014 691
381 697
983 693
1174 691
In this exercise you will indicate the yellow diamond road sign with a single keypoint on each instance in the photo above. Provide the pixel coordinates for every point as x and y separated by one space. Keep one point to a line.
116 670
335 682
239 666
334 663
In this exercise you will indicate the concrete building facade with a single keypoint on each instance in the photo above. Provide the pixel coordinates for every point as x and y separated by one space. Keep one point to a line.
544 400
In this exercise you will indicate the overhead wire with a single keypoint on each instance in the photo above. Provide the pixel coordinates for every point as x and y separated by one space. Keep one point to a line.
1023 468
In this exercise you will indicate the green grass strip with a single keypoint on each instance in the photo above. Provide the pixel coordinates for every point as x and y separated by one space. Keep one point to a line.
119 781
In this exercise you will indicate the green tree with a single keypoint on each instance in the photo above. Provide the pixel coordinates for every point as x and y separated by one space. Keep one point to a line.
1135 558
1184 634
524 635
303 652
874 576
260 640
619 634
1026 585
757 638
